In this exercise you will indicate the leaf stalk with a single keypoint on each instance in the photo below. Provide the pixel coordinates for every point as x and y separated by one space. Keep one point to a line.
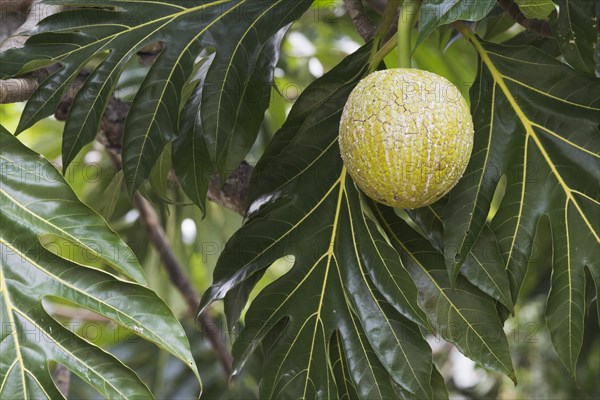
406 21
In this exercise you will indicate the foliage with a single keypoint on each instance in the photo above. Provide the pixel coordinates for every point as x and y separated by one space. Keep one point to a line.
329 294
43 244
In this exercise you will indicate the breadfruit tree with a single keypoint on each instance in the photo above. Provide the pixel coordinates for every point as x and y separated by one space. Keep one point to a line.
415 189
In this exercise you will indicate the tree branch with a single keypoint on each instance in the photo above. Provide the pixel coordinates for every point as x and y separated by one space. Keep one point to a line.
363 22
158 238
13 14
377 5
17 89
538 26
37 12
233 194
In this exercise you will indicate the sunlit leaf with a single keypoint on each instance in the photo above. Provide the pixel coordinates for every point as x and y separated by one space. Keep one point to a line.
536 9
36 201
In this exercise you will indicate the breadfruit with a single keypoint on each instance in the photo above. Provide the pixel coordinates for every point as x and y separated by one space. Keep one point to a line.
406 136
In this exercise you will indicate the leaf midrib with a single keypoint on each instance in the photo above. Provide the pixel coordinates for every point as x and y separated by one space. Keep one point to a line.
11 320
527 123
45 221
175 65
330 255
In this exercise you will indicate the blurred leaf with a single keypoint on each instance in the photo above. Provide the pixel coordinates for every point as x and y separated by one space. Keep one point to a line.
576 31
435 13
536 9
111 195
347 283
160 172
543 136
35 200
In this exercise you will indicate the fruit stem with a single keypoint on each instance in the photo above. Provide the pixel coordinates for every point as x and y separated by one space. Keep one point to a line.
383 51
389 15
406 21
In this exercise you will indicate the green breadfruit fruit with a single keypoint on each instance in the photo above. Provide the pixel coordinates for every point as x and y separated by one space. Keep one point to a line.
406 136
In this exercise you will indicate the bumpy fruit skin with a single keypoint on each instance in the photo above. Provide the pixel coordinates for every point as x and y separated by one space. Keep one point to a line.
406 136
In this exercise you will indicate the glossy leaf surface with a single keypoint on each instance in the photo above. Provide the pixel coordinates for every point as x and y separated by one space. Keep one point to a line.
576 31
347 291
36 203
461 314
350 288
435 13
106 35
533 128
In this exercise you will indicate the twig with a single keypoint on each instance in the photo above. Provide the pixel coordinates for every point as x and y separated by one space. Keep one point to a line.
363 22
538 26
159 240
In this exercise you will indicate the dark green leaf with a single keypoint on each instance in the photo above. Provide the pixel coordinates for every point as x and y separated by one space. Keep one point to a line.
462 314
347 283
435 13
37 203
484 265
576 31
111 32
533 128
191 159
536 9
